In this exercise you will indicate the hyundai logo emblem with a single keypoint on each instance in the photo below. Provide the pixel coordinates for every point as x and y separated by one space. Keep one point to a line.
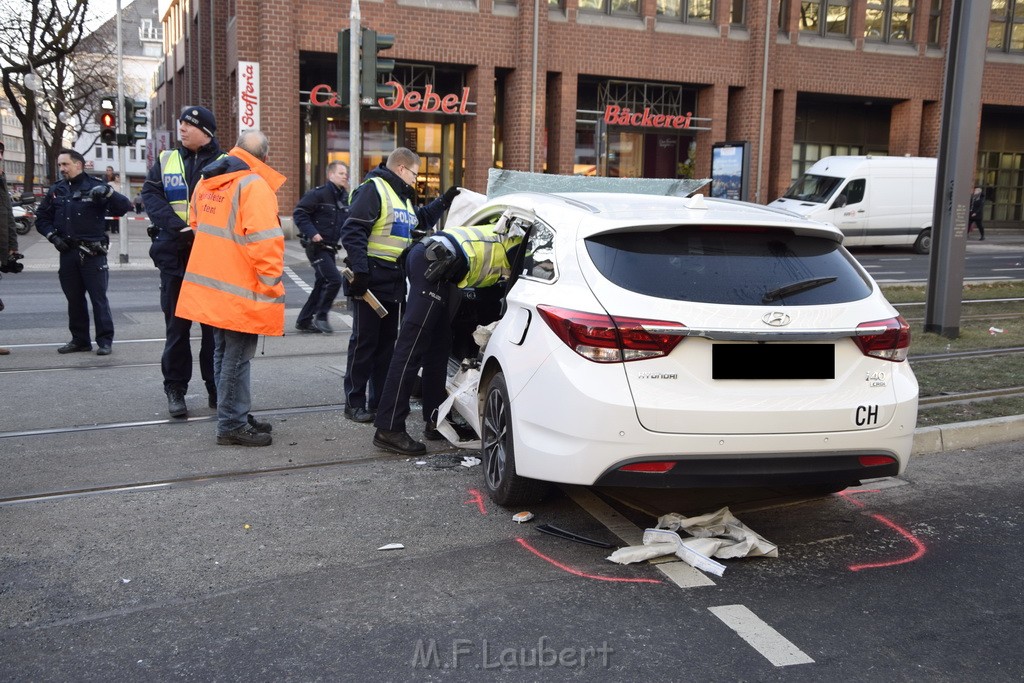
776 319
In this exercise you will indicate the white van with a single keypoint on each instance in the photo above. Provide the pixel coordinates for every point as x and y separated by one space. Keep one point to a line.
873 200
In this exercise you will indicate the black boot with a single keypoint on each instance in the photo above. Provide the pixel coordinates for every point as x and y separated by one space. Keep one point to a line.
398 442
176 402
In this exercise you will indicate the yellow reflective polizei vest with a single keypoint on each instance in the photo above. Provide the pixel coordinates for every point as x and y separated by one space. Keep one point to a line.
391 233
486 252
172 171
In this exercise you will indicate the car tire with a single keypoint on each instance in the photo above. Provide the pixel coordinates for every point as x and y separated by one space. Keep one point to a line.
923 245
497 450
22 226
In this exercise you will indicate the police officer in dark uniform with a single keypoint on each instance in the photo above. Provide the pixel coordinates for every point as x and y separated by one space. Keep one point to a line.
381 221
72 218
439 267
319 216
166 195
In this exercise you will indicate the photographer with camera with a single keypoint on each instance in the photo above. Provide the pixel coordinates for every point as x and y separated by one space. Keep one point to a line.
319 216
8 234
72 216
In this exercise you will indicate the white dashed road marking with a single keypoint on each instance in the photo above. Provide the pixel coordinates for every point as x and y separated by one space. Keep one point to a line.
760 636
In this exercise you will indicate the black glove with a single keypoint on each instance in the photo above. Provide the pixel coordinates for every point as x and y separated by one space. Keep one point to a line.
101 193
59 242
359 284
185 239
449 196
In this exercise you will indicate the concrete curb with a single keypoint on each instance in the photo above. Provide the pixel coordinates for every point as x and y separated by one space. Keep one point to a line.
953 437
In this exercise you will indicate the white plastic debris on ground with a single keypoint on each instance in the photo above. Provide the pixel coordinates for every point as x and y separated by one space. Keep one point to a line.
717 534
462 391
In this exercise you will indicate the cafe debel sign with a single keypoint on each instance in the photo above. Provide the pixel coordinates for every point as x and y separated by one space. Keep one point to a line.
615 115
427 102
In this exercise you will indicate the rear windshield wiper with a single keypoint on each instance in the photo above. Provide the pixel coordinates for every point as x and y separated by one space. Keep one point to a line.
794 287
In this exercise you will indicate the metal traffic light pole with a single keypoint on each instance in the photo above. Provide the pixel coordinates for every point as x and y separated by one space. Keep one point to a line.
355 140
122 139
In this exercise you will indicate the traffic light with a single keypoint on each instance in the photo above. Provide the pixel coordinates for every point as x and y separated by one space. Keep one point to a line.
344 60
108 120
135 118
371 66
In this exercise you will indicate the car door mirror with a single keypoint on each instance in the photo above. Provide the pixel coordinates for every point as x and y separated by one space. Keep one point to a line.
840 202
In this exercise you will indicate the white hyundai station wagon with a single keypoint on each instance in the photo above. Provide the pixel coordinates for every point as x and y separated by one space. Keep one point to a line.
682 342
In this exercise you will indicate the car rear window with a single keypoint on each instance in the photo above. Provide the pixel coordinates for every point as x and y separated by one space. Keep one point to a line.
729 266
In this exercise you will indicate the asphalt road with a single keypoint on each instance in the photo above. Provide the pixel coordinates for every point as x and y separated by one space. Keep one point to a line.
134 548
999 257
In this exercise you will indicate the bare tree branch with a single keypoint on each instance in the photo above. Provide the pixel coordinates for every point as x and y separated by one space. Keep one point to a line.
34 35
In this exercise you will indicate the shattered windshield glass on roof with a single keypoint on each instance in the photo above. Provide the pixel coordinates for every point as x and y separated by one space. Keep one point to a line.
501 182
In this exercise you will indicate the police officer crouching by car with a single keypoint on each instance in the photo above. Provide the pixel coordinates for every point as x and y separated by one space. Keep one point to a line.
72 217
439 267
319 216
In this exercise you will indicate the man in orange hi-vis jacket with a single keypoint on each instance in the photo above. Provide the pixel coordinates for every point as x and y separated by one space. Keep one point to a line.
233 278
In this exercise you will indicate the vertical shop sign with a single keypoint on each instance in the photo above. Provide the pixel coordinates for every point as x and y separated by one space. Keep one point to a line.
248 95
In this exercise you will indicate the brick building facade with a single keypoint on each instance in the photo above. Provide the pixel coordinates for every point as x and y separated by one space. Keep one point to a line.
540 87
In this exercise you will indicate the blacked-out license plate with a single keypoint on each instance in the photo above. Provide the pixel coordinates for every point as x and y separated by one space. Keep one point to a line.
773 361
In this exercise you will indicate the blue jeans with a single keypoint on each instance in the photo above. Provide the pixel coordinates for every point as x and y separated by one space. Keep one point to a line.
231 358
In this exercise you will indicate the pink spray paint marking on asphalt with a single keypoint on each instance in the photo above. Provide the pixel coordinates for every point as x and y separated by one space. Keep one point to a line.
477 500
919 548
575 572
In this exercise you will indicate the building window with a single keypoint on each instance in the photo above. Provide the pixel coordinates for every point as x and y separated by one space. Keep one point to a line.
1002 180
1006 26
889 21
806 153
110 152
689 11
631 7
825 17
737 8
935 22
99 151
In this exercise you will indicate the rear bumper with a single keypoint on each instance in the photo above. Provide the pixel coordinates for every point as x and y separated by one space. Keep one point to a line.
761 470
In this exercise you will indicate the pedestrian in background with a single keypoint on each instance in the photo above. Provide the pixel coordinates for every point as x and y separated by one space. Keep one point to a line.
439 267
72 216
977 208
166 195
379 228
8 232
233 278
319 216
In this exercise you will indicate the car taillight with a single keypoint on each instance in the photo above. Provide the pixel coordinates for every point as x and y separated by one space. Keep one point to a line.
657 467
876 460
885 339
611 339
